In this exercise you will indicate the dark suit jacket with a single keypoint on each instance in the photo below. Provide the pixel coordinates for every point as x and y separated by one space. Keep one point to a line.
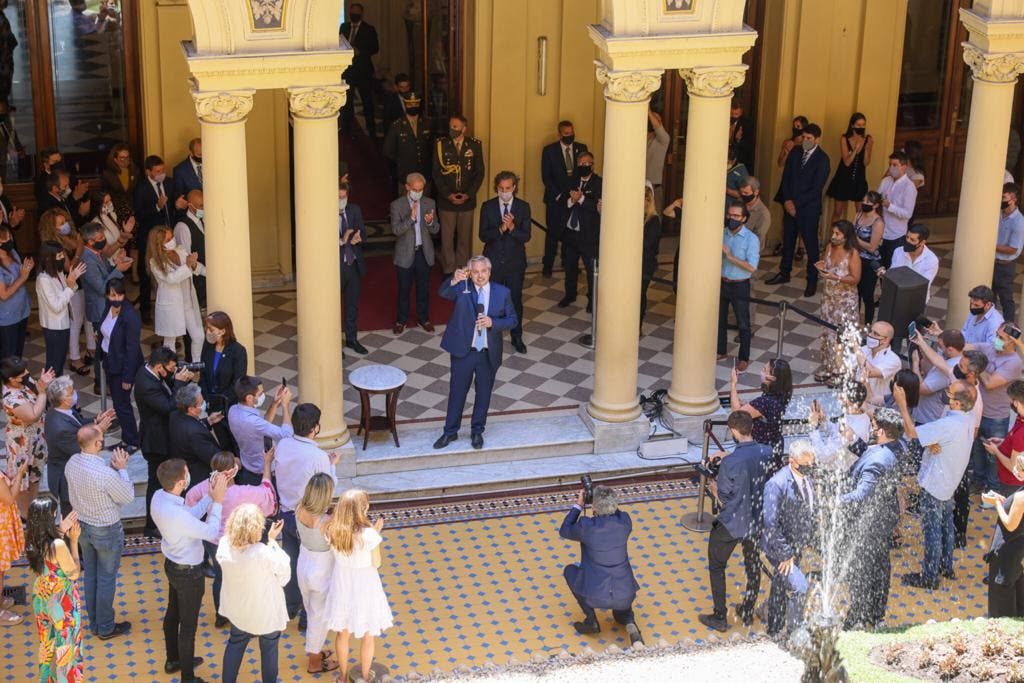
98 272
155 400
552 168
185 179
147 215
61 433
803 185
741 480
458 336
366 46
586 213
872 495
233 363
505 249
606 577
652 239
125 356
191 440
394 108
69 204
788 526
354 221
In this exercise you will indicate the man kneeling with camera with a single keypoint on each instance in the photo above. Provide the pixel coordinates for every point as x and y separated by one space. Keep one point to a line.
738 485
603 578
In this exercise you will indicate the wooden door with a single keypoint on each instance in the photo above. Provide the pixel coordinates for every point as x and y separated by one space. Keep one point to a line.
935 99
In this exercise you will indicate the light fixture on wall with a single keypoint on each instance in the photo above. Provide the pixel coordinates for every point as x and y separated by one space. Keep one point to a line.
542 65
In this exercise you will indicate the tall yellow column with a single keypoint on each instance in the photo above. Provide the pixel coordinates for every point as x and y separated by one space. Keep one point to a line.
700 244
317 263
626 95
977 219
226 200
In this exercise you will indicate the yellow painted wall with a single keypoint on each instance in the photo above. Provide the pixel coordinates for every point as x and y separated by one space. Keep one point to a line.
504 109
826 59
169 122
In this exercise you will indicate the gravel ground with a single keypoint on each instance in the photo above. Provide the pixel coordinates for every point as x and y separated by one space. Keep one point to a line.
761 661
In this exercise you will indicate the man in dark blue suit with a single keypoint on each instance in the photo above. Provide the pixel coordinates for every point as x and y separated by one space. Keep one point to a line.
789 513
739 488
582 234
483 310
803 179
603 578
188 175
871 512
505 230
154 205
351 233
557 167
122 357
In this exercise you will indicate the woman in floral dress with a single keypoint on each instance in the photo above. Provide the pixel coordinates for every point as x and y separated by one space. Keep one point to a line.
25 404
12 537
840 270
52 552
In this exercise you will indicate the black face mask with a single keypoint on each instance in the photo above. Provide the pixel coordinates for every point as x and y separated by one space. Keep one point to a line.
413 111
733 119
568 139
867 208
115 303
584 170
198 160
454 133
99 245
958 373
650 127
355 17
7 246
797 132
747 198
733 224
860 131
976 310
1004 205
908 247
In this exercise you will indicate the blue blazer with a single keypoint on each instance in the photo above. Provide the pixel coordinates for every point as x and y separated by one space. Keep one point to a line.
741 481
606 578
872 496
788 526
185 179
505 249
803 185
458 336
125 355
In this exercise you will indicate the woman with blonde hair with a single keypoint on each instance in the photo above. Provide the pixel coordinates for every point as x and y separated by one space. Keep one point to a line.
177 307
252 596
652 236
356 604
316 564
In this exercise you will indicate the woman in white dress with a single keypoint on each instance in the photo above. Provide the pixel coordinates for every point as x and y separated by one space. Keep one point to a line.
316 564
177 308
356 604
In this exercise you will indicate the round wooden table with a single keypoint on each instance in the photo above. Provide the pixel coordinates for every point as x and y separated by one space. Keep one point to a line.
370 380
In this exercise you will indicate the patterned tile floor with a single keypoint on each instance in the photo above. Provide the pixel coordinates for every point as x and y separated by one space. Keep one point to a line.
490 589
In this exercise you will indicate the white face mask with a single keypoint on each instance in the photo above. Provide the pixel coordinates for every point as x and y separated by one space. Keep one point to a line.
64 229
415 195
159 177
170 244
108 209
260 400
342 203
199 213
872 343
506 197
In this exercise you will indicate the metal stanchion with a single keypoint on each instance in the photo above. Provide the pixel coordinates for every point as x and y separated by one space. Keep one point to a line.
98 366
696 521
590 340
783 306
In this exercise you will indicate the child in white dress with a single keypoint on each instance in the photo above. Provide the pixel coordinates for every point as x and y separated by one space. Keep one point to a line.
356 604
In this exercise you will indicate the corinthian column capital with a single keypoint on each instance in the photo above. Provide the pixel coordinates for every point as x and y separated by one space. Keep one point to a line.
316 102
994 68
223 107
628 86
714 81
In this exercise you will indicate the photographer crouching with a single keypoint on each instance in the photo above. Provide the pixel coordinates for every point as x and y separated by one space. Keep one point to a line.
738 486
603 578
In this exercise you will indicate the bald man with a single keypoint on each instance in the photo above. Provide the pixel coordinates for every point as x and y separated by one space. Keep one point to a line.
880 362
190 233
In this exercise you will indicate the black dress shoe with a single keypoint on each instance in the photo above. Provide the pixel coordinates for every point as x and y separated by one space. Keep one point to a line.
777 279
221 621
445 440
811 289
120 628
566 301
590 306
357 347
586 628
173 666
713 621
634 634
209 572
546 272
518 345
477 440
152 533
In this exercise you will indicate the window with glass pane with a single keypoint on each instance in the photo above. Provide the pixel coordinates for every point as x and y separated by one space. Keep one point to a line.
924 64
87 58
17 128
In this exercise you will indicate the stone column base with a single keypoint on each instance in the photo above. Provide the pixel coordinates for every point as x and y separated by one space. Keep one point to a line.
615 437
692 426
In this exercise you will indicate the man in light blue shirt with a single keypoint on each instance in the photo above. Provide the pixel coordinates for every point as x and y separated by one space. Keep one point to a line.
983 323
1009 243
251 425
740 255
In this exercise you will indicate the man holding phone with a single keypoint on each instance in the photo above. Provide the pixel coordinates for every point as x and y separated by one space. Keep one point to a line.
1004 366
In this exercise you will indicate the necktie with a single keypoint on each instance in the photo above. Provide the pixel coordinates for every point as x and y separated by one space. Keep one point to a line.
505 213
348 253
807 155
808 495
199 172
479 340
159 189
568 161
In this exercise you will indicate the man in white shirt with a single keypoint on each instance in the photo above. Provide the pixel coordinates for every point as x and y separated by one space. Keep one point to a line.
947 443
296 459
899 197
981 326
658 143
1009 243
182 534
880 364
916 255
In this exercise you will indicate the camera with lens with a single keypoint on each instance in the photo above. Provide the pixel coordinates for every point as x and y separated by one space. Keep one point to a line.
588 489
197 366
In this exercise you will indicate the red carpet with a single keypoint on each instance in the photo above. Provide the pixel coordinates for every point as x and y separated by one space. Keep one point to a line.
368 174
379 295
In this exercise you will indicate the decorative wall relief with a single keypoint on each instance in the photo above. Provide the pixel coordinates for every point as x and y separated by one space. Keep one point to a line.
267 15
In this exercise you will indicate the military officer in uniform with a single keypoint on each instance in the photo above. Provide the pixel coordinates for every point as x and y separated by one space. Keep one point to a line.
407 143
458 172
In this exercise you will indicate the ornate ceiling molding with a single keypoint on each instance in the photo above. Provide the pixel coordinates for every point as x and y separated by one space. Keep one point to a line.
628 86
316 102
223 107
714 81
994 68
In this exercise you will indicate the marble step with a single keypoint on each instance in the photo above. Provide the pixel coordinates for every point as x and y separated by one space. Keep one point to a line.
504 441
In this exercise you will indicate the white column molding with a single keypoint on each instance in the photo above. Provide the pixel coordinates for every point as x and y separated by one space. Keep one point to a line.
628 86
223 107
1001 67
714 81
317 102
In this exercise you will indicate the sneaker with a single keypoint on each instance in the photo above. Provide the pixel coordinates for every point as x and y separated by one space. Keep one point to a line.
713 621
121 628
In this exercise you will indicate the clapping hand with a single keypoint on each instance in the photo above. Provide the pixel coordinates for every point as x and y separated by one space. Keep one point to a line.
123 263
575 196
218 487
507 222
26 266
192 260
214 418
70 520
119 460
379 524
76 272
357 237
129 226
105 419
180 203
44 379
275 530
161 201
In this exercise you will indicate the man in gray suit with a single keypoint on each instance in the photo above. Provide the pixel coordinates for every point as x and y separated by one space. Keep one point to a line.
413 222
